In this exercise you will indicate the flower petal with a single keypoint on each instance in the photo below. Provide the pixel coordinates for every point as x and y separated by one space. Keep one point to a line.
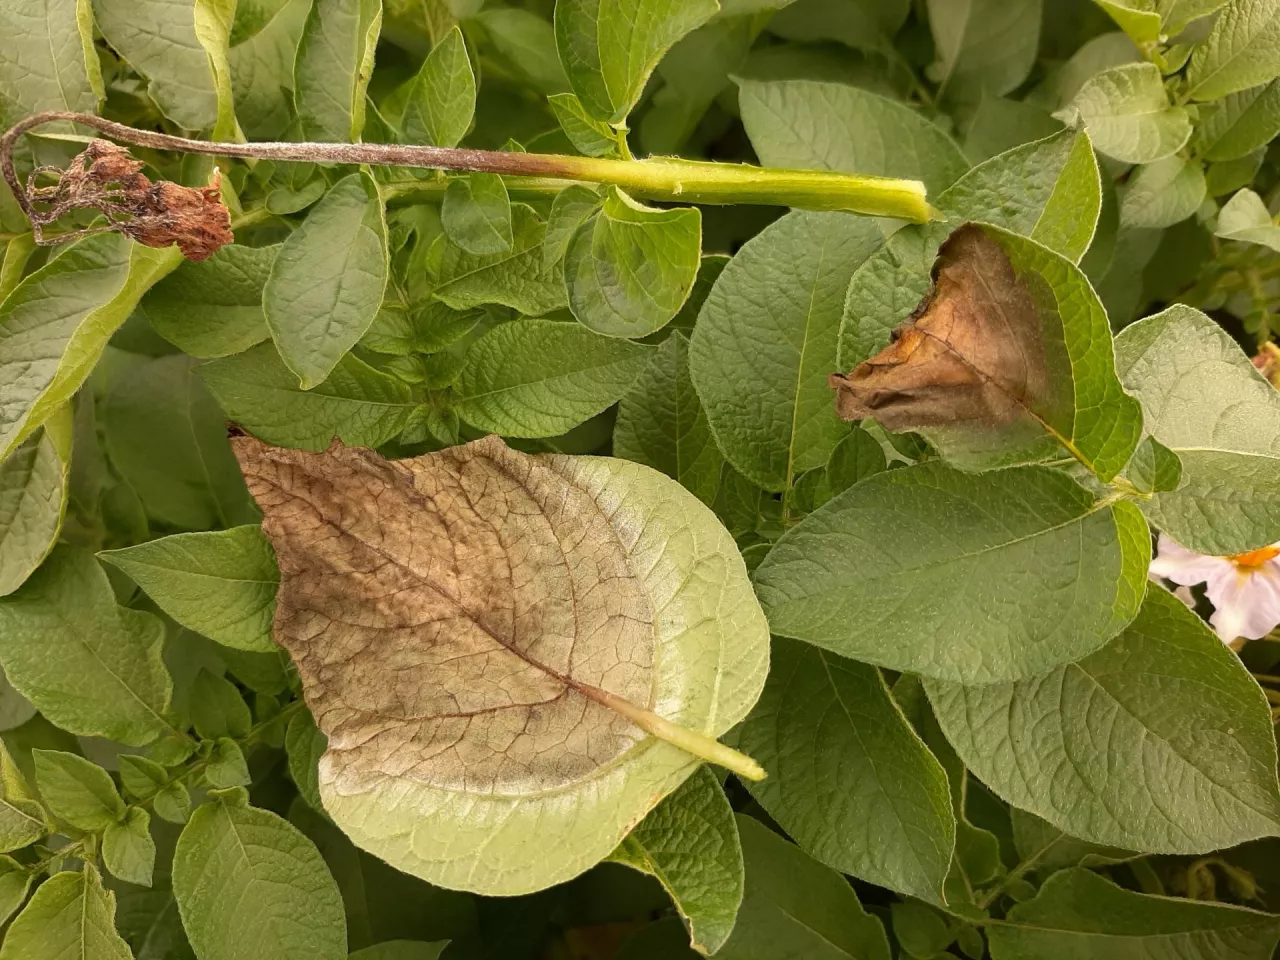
1246 604
1175 562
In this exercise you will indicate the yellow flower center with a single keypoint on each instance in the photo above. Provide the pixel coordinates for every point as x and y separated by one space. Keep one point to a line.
1255 558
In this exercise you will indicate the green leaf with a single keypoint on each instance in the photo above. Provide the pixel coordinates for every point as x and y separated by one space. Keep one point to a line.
983 46
1154 467
1239 124
140 777
1207 403
805 124
245 876
217 709
1080 914
357 403
158 39
477 214
1049 850
1051 745
22 819
1232 175
48 62
213 20
227 766
907 570
335 60
264 48
519 278
849 780
1000 124
1127 113
402 949
305 744
689 842
528 43
569 210
168 439
56 323
630 268
589 136
662 424
540 378
796 907
213 308
328 279
33 499
1246 218
766 341
441 99
70 916
128 850
15 883
91 667
1242 51
173 803
221 583
1163 193
610 47
77 791
1137 18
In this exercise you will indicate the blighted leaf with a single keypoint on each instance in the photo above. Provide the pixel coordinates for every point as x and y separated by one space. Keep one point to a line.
33 499
1008 356
907 570
334 62
70 916
629 268
690 843
513 652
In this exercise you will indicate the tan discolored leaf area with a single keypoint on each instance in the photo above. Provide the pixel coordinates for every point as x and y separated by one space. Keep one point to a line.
513 657
971 353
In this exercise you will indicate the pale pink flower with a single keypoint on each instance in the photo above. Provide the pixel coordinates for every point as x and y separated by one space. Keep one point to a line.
1244 589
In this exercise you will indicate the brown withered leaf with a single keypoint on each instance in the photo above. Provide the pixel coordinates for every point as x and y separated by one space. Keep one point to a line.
972 353
509 654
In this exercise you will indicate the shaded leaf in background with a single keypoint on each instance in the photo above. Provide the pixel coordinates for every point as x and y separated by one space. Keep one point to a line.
33 499
71 915
1127 113
983 46
334 62
908 570
305 745
575 621
528 43
1161 194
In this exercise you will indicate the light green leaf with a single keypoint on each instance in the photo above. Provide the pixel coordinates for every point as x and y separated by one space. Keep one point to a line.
589 136
1080 914
140 777
1239 124
541 378
1246 218
245 876
766 341
805 124
1138 18
221 584
1242 51
15 883
1207 403
689 842
1178 14
1154 467
1127 113
76 791
610 47
796 907
908 570
1051 744
33 499
983 46
999 124
89 666
227 766
15 709
56 323
661 423
1163 193
528 44
217 709
335 60
519 278
158 39
569 210
328 279
70 916
213 308
849 780
168 439
264 48
424 328
128 850
213 20
48 61
305 744
476 214
441 100
173 803
357 403
22 819
630 268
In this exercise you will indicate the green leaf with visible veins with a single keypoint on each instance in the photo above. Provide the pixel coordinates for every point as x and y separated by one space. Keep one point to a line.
128 850
33 499
609 47
71 917
1165 697
77 791
48 61
984 47
689 842
1079 914
441 100
849 780
264 48
335 59
541 378
476 214
589 136
1126 110
1238 124
910 569
1207 403
766 340
1242 51
518 278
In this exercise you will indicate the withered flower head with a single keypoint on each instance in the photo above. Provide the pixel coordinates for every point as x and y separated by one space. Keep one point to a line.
104 177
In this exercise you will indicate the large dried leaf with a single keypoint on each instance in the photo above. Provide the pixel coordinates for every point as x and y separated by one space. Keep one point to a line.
480 631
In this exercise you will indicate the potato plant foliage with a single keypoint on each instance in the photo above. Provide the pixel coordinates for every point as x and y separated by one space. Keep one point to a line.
635 479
